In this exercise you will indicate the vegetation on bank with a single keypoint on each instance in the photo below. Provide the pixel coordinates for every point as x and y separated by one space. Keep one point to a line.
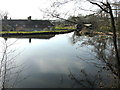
59 27
34 32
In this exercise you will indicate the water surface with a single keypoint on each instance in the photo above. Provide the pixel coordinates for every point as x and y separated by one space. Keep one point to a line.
60 61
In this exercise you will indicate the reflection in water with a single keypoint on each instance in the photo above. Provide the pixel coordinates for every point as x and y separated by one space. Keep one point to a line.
66 60
9 70
30 37
29 40
5 39
103 51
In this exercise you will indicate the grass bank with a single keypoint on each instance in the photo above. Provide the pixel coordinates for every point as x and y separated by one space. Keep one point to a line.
10 33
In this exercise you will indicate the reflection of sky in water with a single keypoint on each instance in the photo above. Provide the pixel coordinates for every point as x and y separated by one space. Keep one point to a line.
50 60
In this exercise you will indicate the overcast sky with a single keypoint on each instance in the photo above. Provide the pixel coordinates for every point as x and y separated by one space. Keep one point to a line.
21 9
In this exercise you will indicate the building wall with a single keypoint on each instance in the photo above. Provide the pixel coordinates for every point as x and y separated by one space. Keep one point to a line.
11 26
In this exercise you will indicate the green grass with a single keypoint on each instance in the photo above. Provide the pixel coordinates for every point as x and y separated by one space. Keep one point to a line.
68 27
4 32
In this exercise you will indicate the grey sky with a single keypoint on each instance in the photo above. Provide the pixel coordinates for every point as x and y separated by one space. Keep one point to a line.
21 9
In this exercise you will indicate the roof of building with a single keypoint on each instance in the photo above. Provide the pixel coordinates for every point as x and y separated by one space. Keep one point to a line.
18 21
27 23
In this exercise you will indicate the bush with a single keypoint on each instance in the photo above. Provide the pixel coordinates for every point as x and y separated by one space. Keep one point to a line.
105 28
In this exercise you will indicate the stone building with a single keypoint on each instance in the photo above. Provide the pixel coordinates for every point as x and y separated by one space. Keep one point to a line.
26 25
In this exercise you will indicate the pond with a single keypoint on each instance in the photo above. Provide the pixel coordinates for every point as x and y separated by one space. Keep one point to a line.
60 61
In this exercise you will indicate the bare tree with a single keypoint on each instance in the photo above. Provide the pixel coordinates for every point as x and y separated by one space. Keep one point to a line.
7 63
104 6
2 14
108 9
10 70
103 51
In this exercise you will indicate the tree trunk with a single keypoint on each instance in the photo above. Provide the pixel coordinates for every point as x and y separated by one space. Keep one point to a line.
114 35
115 43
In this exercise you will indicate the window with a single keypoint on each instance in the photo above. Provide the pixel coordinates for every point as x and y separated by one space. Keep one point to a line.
36 26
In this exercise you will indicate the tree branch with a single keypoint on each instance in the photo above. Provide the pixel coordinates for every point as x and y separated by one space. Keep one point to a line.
99 6
63 19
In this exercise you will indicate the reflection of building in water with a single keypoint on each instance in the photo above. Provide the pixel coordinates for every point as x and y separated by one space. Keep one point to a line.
38 37
5 39
26 25
30 37
29 40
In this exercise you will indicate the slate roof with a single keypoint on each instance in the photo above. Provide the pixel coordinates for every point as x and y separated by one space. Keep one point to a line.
28 24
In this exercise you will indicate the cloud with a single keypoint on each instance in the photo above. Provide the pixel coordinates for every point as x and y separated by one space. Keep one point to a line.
23 8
